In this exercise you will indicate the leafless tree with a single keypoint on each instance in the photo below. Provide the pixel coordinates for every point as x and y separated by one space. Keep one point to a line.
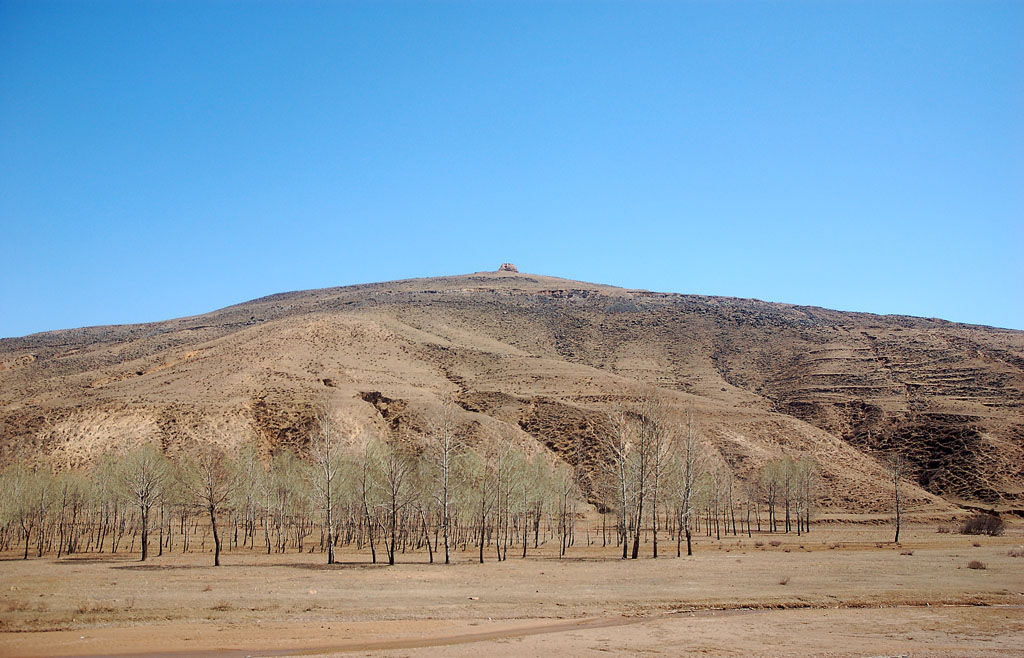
369 491
206 475
896 463
769 476
247 474
445 448
618 441
326 452
144 475
654 443
18 500
397 469
71 492
688 460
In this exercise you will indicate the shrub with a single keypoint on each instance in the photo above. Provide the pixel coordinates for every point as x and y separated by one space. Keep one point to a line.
906 552
942 530
975 564
1016 552
983 524
775 542
784 580
758 544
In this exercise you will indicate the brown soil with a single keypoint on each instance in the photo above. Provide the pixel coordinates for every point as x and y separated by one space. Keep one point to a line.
847 593
541 359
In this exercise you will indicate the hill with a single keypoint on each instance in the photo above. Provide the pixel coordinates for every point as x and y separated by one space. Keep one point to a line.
541 359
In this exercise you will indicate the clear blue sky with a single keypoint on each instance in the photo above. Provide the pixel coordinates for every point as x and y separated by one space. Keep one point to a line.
161 159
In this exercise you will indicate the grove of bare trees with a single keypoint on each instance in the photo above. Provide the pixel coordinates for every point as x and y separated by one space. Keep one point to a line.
432 492
660 474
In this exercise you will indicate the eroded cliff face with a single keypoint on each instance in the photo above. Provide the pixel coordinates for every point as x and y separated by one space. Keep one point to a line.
540 360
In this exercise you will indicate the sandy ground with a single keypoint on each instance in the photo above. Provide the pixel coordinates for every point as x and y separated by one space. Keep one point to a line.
846 593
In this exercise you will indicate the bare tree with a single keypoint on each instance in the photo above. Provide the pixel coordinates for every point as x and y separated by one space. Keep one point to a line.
769 477
325 450
567 492
688 462
618 441
18 500
474 472
653 440
206 474
641 457
397 469
144 475
446 446
805 471
368 491
896 463
71 492
247 473
286 497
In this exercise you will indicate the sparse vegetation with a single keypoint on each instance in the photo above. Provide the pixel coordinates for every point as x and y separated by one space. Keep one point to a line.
976 564
94 607
983 524
1017 551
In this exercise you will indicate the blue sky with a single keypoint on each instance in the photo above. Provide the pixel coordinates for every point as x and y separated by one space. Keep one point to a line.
167 159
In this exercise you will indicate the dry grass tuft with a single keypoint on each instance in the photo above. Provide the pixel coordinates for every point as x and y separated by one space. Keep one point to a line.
906 552
784 580
1017 551
976 564
775 542
93 607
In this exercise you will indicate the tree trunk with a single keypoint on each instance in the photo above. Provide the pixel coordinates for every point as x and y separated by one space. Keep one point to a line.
144 512
636 531
216 537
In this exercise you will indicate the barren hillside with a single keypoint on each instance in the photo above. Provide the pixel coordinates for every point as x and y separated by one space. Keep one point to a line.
539 359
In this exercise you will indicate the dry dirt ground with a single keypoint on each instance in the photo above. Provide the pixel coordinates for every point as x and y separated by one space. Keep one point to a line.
846 592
